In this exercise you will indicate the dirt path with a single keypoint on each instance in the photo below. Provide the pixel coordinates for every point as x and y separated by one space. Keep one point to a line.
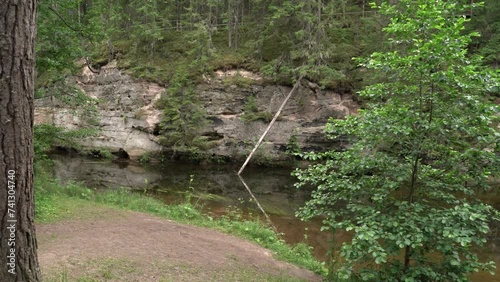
130 246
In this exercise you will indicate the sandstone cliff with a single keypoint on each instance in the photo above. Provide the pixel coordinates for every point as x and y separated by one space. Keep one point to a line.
129 121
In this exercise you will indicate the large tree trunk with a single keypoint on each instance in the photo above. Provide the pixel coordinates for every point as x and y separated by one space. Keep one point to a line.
18 247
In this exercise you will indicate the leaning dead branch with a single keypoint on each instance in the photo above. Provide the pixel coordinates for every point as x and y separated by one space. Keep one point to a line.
271 124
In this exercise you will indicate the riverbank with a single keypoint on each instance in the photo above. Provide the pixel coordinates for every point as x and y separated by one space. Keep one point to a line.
71 214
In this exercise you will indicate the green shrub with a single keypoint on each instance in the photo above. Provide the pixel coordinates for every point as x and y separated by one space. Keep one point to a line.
239 80
48 136
252 113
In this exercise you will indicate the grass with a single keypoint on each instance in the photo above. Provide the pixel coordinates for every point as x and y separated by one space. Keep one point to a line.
55 202
239 80
252 113
109 269
106 269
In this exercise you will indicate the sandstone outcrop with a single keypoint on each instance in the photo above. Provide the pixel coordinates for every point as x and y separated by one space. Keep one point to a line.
129 120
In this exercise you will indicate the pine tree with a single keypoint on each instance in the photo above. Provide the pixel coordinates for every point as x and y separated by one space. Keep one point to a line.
19 261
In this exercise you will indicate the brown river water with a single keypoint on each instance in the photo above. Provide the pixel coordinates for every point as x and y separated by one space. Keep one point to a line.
217 189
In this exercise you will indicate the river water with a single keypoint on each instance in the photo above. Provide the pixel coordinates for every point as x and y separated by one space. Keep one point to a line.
217 188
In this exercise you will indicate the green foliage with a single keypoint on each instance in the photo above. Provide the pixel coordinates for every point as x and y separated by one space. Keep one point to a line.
48 136
251 105
293 146
65 34
485 20
406 186
57 45
201 48
62 91
282 38
238 80
145 158
98 153
183 117
318 40
251 111
152 39
226 59
51 197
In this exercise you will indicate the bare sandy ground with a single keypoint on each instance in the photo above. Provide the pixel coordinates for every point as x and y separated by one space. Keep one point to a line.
131 246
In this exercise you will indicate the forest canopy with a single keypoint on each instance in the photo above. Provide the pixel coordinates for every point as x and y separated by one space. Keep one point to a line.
282 39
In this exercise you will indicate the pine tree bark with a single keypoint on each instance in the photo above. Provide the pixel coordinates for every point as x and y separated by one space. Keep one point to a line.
18 246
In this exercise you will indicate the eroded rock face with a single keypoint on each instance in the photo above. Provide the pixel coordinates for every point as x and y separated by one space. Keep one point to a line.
127 117
129 120
304 117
